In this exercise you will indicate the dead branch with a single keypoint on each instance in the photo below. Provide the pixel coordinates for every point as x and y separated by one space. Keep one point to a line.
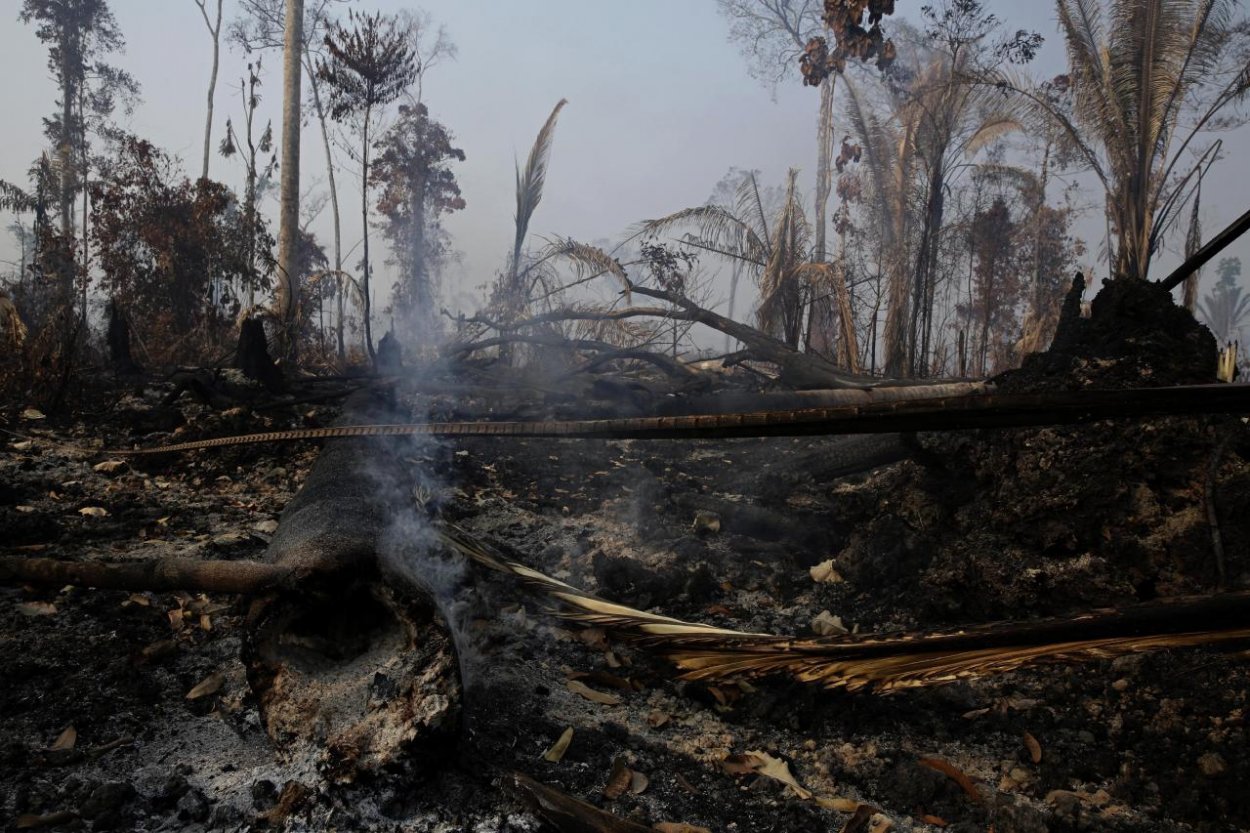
247 577
799 370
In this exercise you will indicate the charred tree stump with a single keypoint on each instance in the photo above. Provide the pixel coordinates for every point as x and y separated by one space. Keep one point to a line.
352 673
119 343
252 355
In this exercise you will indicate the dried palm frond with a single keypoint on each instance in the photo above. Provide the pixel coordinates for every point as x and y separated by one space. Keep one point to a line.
12 328
529 188
892 662
588 262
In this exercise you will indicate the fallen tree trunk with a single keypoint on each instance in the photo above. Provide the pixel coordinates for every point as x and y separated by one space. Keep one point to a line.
158 575
952 413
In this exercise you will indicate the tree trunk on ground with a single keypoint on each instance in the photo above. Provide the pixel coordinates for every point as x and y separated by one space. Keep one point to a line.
285 294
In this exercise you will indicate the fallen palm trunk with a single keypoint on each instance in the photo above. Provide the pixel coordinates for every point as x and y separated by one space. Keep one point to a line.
893 662
739 402
993 410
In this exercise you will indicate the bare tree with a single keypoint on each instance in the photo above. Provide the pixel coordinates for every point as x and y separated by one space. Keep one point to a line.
214 30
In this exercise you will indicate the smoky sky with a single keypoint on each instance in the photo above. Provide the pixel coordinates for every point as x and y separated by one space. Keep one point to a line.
660 106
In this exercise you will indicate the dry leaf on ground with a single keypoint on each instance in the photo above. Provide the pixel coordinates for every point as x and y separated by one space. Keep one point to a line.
679 827
557 750
207 687
578 687
1035 748
825 573
955 774
618 781
108 466
65 740
94 511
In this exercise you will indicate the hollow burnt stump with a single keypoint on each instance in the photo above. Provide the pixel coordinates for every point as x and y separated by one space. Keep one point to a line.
352 674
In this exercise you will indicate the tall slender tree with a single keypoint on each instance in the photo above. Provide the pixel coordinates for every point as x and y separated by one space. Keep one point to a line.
260 26
214 30
287 289
370 63
78 33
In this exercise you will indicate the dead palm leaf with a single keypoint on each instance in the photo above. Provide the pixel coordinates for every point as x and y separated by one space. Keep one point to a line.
529 191
888 663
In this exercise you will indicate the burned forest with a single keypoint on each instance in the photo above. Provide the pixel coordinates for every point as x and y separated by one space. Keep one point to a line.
477 416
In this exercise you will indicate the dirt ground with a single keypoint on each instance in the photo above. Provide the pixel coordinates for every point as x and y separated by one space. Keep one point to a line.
967 528
132 711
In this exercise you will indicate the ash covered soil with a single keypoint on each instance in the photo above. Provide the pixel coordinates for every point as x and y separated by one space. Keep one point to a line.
948 530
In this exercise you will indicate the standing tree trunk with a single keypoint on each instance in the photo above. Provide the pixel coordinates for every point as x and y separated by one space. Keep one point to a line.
214 29
288 222
824 163
367 301
334 194
65 152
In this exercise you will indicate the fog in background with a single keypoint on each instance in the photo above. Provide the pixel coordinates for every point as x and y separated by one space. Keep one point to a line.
661 105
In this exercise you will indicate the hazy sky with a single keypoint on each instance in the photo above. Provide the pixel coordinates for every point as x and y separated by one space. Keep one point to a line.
660 106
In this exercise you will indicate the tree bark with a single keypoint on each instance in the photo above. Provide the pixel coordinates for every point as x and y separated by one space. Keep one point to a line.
158 574
367 301
285 295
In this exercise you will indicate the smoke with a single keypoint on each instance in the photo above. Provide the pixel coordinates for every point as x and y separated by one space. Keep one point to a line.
409 547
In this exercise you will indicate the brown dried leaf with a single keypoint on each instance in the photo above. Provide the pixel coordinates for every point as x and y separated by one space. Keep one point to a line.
108 466
936 821
618 780
638 782
596 638
841 805
955 774
556 753
33 414
36 608
94 511
740 764
65 740
679 827
578 687
207 687
1035 748
657 719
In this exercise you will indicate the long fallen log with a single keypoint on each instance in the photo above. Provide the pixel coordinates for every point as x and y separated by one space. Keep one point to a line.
160 575
993 410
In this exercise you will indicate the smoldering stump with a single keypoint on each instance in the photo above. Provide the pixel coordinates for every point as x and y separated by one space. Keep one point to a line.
353 672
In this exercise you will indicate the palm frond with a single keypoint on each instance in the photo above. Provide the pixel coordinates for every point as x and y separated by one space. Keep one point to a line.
716 227
884 663
529 186
588 261
989 130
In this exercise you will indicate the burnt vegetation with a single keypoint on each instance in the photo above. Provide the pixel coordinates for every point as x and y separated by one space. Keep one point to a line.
896 495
